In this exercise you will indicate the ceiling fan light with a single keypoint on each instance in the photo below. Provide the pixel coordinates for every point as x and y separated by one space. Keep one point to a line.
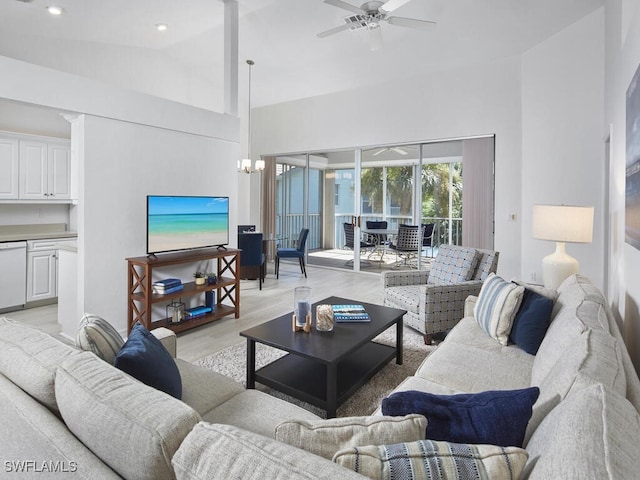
54 10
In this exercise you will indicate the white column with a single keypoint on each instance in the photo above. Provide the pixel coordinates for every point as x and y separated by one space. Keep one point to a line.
231 57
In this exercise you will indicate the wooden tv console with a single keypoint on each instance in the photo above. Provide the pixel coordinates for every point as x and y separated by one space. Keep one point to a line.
140 298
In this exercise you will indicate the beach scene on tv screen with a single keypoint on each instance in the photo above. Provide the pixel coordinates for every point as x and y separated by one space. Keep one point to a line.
177 223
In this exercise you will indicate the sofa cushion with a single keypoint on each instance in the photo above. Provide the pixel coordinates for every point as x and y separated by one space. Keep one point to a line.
531 322
427 459
594 357
453 264
565 328
225 451
29 357
32 432
495 366
132 427
247 410
98 336
408 296
593 433
497 306
144 357
496 417
326 437
203 389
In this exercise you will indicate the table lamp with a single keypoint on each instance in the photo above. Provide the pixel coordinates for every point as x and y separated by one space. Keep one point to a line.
561 223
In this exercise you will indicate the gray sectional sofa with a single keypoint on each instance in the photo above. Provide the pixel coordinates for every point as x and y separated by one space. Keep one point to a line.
68 411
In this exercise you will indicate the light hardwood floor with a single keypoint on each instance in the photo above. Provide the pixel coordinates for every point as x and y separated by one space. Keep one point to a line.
256 306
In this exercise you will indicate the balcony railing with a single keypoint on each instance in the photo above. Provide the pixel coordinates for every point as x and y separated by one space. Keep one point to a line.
289 226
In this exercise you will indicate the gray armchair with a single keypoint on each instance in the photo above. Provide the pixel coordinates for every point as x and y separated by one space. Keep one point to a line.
434 298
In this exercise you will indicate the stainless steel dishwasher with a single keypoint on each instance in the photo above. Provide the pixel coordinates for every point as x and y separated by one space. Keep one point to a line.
13 274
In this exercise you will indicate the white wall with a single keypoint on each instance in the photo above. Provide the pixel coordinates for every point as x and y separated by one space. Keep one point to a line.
40 213
562 138
132 144
124 162
141 69
480 99
622 60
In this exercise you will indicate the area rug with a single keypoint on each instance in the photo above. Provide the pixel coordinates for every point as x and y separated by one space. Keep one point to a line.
232 362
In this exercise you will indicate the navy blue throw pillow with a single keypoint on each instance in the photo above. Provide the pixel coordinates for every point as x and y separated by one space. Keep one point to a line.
497 417
531 322
144 357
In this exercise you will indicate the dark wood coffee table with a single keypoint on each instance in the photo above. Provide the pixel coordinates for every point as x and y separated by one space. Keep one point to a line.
324 368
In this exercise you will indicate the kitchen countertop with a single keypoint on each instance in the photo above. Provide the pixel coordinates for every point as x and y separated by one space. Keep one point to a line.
15 233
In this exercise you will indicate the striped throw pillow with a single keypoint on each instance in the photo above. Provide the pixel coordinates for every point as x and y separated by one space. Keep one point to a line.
497 306
98 336
434 460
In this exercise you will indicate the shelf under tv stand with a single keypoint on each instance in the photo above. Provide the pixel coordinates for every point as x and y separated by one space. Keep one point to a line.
140 297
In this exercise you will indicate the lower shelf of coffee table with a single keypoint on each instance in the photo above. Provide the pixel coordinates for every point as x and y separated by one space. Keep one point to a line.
306 379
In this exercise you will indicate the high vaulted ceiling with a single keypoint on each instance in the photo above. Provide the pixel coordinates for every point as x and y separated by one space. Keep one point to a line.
291 62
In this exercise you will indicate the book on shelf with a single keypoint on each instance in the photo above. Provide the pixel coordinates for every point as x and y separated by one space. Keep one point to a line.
167 282
165 291
197 311
350 313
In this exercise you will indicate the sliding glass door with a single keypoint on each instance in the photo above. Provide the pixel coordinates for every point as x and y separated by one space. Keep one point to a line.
336 193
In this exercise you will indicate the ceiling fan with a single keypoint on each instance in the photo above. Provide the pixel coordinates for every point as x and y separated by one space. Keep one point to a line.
395 149
369 15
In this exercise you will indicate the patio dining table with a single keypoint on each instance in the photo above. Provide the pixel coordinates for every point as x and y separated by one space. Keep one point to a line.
375 236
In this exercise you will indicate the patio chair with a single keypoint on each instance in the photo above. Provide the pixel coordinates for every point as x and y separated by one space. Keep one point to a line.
297 252
378 239
409 243
349 241
434 298
427 237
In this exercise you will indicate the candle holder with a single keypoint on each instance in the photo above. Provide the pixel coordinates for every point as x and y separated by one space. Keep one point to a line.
176 312
301 319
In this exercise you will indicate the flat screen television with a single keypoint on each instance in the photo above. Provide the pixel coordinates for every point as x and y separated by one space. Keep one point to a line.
186 222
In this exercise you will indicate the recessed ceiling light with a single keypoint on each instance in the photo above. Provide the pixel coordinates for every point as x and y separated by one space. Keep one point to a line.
161 26
53 10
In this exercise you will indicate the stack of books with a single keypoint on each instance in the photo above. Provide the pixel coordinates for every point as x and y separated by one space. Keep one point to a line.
168 285
350 313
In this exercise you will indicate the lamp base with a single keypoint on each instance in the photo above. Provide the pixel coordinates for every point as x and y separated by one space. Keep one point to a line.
558 266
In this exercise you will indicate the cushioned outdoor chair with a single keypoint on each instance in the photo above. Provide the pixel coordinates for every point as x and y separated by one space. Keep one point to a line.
297 252
434 298
252 256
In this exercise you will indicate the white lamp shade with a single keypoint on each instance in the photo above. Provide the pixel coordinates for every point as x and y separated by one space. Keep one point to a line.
563 223
259 165
246 164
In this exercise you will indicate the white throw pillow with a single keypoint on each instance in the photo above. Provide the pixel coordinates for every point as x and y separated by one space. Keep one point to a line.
497 306
326 437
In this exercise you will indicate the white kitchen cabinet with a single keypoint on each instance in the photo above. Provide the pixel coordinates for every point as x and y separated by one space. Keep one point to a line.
8 169
42 275
44 170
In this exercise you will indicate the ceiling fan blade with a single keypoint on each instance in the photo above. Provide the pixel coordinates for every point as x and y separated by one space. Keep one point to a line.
333 30
399 150
378 152
411 22
375 37
391 5
345 5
